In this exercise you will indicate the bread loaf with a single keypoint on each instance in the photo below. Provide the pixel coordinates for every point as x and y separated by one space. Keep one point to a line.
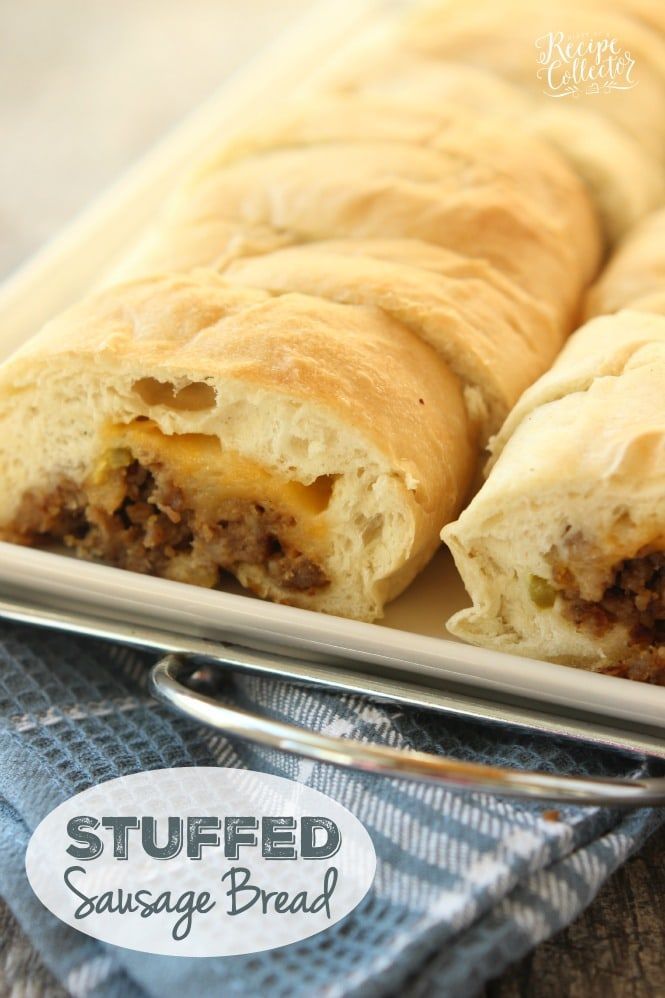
635 276
624 180
562 550
185 427
363 169
294 375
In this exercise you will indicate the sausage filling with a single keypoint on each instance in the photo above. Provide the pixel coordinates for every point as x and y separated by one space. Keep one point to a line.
136 519
631 594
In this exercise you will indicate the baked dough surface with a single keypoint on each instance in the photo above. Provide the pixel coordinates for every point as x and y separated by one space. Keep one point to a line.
562 549
274 402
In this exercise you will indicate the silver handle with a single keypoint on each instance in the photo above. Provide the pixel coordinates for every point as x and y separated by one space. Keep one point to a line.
167 682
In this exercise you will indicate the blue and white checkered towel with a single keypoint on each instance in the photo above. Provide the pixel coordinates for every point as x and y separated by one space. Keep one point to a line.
465 883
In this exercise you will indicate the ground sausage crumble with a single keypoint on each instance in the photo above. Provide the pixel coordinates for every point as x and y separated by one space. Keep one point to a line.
631 594
151 529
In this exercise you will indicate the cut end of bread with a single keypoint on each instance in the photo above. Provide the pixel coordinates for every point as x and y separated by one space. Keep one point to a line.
196 430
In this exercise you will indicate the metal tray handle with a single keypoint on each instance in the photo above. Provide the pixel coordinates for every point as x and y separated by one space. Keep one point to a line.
168 685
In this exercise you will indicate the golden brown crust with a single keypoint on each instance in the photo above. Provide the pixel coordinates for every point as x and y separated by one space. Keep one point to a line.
492 336
501 37
469 142
366 169
636 272
352 360
624 180
357 294
373 191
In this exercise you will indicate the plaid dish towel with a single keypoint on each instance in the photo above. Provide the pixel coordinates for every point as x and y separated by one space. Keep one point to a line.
465 883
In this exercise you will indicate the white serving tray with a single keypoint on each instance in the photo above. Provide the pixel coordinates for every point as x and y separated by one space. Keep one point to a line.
412 637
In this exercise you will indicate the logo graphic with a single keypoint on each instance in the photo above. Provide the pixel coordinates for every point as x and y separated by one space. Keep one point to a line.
581 64
200 862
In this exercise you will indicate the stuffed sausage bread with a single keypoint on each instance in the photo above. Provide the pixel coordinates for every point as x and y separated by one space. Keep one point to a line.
183 427
563 549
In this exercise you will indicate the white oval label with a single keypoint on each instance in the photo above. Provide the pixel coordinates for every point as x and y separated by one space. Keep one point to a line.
200 861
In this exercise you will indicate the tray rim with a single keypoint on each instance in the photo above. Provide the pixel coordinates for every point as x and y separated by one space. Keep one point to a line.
180 609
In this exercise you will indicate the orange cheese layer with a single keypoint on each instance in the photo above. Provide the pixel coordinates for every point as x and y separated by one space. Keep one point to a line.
207 474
